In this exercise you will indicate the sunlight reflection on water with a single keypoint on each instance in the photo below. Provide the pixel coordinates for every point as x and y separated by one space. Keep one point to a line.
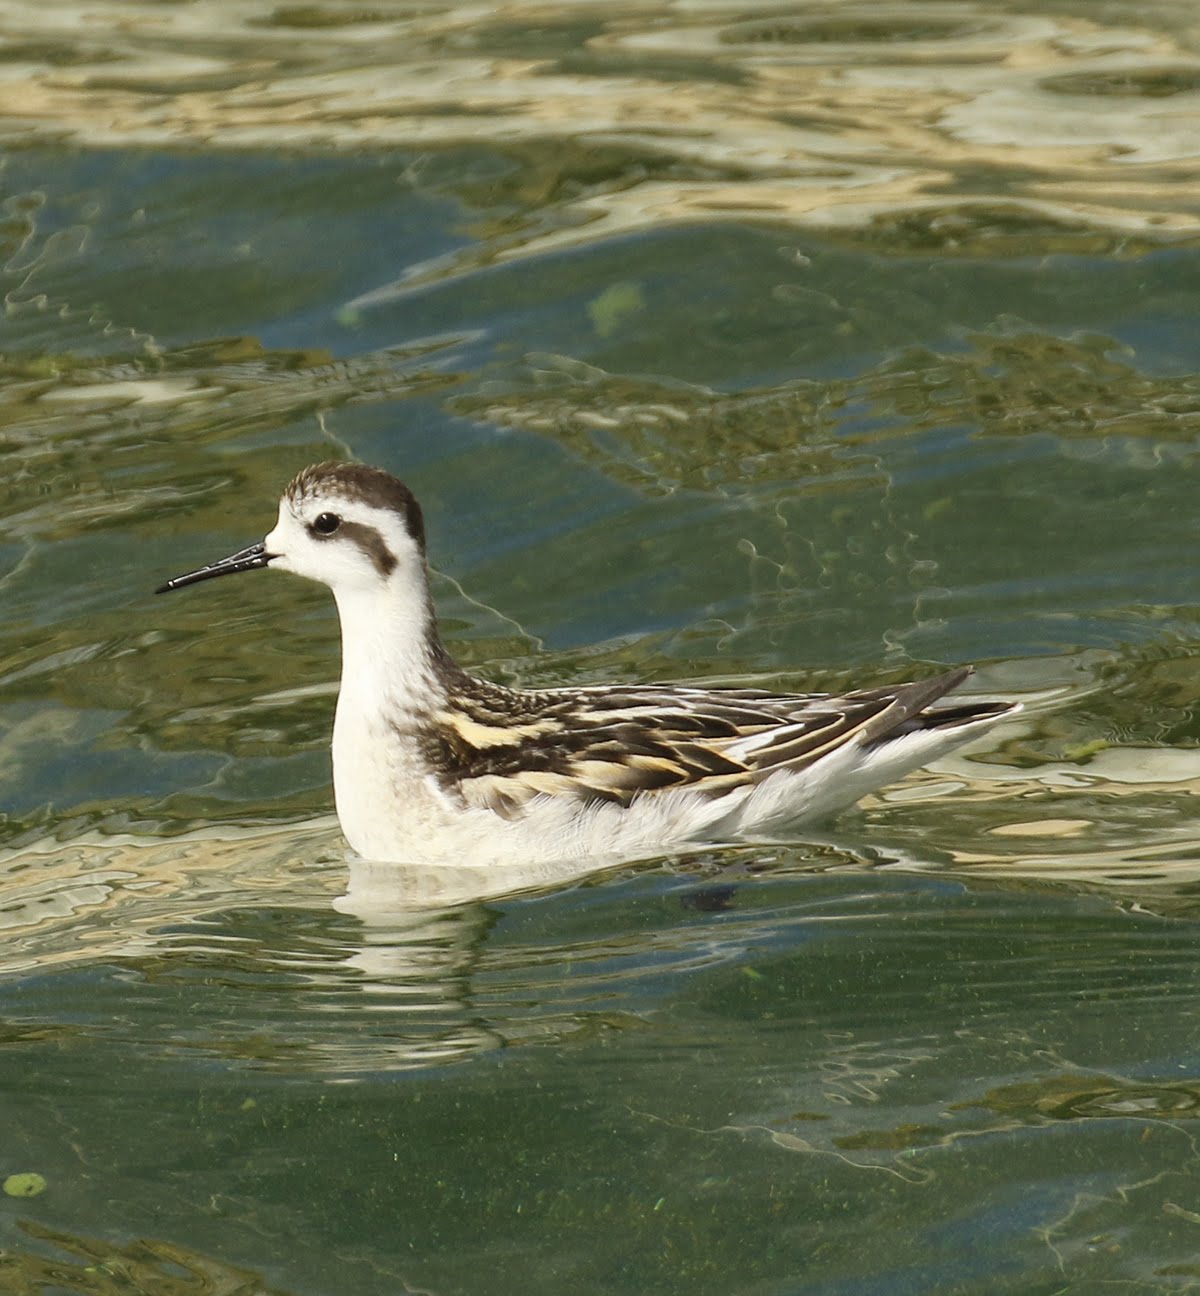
799 348
827 120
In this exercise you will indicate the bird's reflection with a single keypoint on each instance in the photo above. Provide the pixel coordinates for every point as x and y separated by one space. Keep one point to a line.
297 959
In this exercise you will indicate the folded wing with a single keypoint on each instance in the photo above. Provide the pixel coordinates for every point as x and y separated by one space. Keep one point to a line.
616 744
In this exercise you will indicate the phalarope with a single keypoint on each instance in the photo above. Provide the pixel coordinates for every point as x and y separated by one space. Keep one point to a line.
431 764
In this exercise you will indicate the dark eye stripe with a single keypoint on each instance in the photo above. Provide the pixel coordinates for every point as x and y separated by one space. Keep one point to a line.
372 544
326 525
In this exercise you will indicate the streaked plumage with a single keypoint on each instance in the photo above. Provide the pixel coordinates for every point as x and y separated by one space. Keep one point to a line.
434 764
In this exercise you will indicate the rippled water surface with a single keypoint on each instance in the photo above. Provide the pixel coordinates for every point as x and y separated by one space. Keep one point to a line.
803 345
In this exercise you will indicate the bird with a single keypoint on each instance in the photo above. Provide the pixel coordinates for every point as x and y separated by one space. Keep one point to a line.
433 764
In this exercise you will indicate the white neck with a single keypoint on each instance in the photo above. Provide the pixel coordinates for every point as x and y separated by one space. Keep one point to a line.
390 683
387 666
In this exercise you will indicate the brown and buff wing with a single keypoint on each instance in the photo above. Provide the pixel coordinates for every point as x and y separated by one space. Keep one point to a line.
498 748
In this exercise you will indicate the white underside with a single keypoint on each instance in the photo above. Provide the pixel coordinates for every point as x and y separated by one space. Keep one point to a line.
392 811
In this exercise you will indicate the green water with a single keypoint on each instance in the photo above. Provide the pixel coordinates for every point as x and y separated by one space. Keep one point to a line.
720 342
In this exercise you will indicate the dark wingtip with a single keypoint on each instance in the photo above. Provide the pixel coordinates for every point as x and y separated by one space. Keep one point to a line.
911 700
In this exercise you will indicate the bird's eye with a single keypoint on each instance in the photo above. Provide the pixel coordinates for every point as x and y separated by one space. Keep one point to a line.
326 523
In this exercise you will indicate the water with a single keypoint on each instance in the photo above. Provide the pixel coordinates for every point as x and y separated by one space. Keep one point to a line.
720 342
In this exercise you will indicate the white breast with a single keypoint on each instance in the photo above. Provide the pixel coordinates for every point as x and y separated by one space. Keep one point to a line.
389 805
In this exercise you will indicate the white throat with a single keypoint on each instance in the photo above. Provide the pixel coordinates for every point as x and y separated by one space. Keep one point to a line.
387 637
390 685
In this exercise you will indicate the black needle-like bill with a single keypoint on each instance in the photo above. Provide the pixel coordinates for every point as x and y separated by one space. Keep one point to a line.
248 559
